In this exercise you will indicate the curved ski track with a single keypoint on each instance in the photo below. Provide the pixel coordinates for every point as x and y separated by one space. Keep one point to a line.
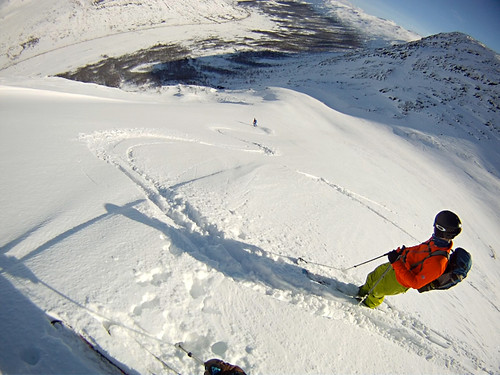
254 265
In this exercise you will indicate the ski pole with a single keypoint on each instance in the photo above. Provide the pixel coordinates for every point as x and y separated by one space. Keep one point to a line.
189 354
373 287
163 363
300 259
367 261
337 268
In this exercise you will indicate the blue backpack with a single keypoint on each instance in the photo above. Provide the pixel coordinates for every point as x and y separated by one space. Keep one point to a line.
458 267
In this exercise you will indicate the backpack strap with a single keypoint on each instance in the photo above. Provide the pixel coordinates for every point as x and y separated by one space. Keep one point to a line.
430 254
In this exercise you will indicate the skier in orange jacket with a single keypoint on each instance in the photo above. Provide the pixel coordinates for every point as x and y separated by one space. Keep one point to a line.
413 267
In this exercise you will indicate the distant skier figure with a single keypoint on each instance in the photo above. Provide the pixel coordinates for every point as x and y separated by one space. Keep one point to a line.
413 267
218 367
255 122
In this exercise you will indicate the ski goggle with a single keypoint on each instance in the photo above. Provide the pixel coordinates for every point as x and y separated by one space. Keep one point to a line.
454 231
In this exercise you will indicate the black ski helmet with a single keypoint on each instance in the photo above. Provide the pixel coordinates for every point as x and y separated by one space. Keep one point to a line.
447 225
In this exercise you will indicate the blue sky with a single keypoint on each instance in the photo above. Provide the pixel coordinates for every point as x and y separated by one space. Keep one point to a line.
477 18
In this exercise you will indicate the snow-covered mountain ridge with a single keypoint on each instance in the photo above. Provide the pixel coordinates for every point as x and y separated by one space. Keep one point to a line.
456 60
375 32
445 86
450 72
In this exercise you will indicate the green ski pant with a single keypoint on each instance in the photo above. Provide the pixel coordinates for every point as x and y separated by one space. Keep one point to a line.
387 286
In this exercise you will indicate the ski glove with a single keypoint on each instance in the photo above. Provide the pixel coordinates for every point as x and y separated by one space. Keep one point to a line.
218 367
393 256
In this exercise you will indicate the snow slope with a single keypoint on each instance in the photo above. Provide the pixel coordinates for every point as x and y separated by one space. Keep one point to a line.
147 218
54 24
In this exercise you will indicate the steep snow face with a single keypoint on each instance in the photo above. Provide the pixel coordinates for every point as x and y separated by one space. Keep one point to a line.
165 218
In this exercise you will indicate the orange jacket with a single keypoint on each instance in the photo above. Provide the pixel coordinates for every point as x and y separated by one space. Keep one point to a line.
415 268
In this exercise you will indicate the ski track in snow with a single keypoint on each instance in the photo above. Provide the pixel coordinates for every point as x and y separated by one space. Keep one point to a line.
364 201
274 275
263 148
